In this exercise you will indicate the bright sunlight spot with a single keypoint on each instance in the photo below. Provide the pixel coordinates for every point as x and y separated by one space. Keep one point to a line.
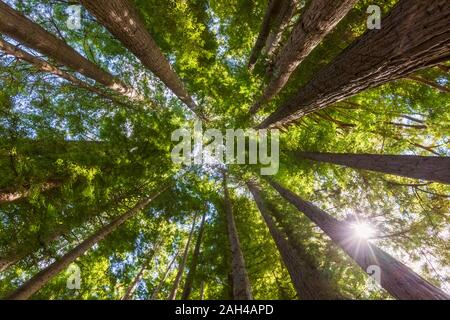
363 230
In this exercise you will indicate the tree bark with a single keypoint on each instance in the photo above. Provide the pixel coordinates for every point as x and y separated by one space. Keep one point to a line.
7 196
20 28
240 281
309 282
130 290
396 278
414 35
317 21
40 279
279 26
163 279
410 166
190 277
176 283
271 13
124 23
44 66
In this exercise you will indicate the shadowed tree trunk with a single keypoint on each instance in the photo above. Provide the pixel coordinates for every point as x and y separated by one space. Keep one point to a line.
176 283
190 277
44 66
20 28
280 24
309 282
130 290
240 281
316 22
7 196
396 278
40 279
124 23
410 166
270 15
163 279
414 35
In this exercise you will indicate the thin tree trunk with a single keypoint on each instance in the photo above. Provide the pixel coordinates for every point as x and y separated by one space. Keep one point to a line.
20 28
317 21
309 282
39 280
202 290
279 26
163 279
7 196
410 166
193 268
396 278
123 21
130 290
176 283
414 35
428 83
271 12
44 66
240 281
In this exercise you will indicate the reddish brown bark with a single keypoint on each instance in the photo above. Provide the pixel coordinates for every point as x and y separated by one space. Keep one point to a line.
240 281
308 280
7 196
396 278
414 35
31 286
20 28
411 166
317 21
123 21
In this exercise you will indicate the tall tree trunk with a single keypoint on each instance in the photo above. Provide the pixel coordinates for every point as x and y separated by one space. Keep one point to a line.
399 280
317 21
202 290
40 279
240 281
20 28
193 268
410 166
309 282
124 23
130 290
176 283
7 196
280 24
163 279
271 13
44 66
414 35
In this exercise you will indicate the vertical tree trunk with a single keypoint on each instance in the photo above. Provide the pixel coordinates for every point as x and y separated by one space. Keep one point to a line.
193 268
130 290
271 13
202 290
163 279
44 66
240 281
176 283
40 279
316 22
410 166
280 24
124 22
20 28
414 35
309 282
399 280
